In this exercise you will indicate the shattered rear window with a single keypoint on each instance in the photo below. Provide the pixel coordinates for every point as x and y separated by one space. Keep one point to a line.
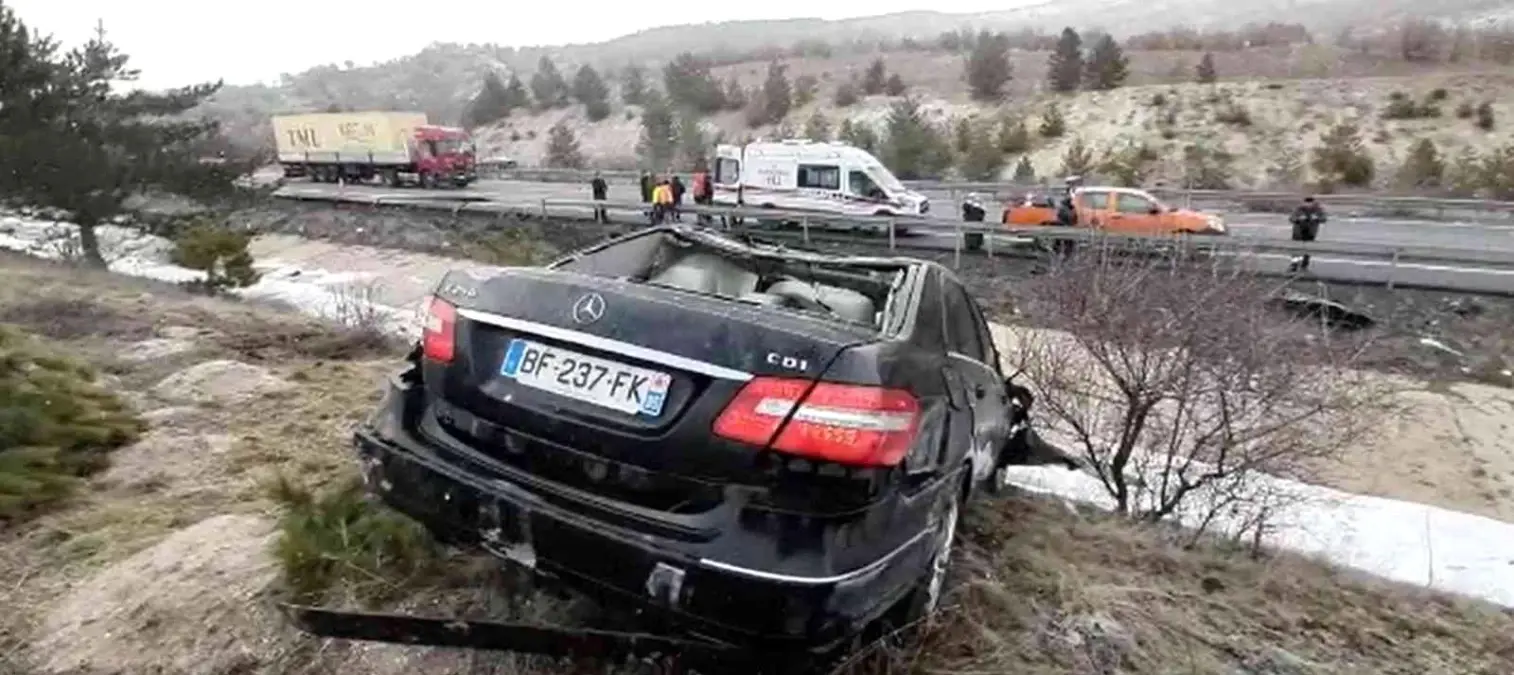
852 290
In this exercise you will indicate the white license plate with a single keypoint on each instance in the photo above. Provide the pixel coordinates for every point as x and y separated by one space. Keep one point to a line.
594 380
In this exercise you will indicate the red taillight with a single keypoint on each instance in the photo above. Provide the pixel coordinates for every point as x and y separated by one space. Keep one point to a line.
438 336
843 423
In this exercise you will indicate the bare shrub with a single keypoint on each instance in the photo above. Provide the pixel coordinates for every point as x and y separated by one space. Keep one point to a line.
1184 386
356 307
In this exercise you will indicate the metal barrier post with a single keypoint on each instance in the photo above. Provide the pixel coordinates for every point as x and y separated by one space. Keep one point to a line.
804 225
988 244
543 209
891 227
957 248
1392 269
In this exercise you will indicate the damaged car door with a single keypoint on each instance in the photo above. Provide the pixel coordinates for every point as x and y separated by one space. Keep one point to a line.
974 358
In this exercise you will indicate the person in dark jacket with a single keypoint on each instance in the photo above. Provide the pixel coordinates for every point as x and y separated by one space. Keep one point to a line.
1067 210
678 189
973 212
1306 219
647 183
1067 214
600 190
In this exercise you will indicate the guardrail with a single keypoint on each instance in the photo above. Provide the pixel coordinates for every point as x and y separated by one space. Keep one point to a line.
1268 200
1388 265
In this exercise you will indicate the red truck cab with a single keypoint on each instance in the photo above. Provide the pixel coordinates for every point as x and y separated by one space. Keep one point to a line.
444 154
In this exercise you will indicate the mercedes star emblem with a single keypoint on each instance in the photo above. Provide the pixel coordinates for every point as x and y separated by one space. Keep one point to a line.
589 308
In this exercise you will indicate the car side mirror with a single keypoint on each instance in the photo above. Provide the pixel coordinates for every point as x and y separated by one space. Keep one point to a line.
1155 211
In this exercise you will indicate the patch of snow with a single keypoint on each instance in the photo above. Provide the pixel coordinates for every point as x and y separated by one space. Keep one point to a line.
1399 540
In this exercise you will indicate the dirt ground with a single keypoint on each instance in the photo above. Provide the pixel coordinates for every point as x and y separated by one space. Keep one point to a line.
164 564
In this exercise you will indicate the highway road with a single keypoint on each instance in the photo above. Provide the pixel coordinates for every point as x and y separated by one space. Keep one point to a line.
1482 236
1488 237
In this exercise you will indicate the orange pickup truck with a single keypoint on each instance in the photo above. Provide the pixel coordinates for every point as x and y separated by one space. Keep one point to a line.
1117 210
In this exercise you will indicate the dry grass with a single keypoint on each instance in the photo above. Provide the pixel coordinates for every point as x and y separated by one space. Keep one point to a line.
1045 590
1049 590
225 454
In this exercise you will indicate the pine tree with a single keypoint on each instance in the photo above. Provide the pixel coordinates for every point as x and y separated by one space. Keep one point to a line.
817 128
1077 160
988 69
981 160
1204 72
962 135
777 96
693 144
1013 137
633 86
659 141
1025 174
805 87
1052 123
562 148
1106 67
735 95
76 141
914 148
490 105
1423 168
590 89
895 86
875 79
1341 159
548 86
516 96
847 94
690 85
1064 68
859 135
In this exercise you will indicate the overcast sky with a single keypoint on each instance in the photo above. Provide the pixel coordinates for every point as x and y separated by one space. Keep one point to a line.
176 42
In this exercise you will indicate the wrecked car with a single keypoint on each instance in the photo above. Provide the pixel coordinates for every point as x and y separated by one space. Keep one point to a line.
764 446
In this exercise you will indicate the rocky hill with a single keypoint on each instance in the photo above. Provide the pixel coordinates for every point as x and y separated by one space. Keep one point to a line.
1272 99
1261 134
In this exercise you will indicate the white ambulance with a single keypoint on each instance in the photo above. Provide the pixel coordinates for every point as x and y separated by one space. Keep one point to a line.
803 175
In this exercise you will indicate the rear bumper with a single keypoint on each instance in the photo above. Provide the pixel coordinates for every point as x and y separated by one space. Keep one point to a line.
726 602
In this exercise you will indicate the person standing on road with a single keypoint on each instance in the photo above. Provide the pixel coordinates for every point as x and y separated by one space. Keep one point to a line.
646 191
701 191
600 189
973 212
662 202
1306 219
1067 208
1067 214
678 190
